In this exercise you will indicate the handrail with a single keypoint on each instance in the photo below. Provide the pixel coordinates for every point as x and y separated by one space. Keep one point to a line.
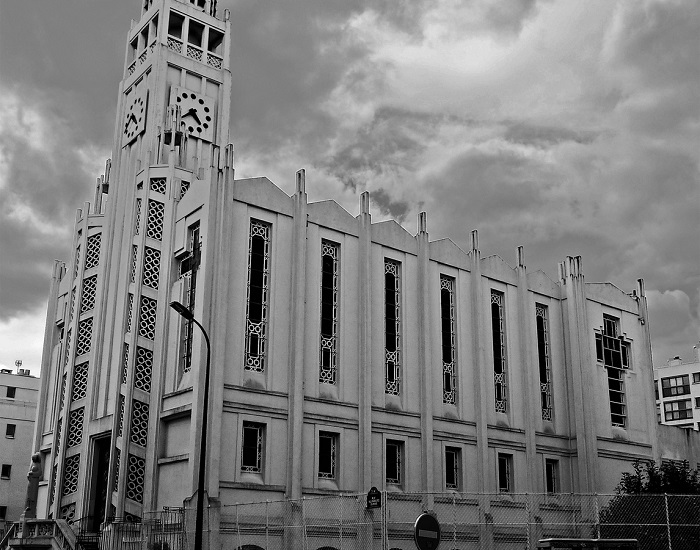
67 532
4 543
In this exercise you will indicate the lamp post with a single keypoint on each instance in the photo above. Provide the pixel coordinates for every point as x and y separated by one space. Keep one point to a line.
199 523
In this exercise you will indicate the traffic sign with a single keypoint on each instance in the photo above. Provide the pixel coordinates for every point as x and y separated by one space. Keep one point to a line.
426 532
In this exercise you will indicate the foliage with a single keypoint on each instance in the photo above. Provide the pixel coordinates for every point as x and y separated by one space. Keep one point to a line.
653 502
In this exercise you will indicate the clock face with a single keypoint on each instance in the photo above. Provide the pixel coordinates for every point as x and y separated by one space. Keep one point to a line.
196 112
135 117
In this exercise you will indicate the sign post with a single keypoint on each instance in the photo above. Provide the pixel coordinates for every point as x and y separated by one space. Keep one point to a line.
426 532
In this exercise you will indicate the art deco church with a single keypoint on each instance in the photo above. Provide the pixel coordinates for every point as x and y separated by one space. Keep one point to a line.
345 354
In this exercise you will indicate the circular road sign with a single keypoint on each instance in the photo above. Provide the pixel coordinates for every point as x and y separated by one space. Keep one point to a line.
426 532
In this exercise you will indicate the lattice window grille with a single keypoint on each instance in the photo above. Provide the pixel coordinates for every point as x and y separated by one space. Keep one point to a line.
184 187
72 307
68 344
77 262
87 301
54 473
194 53
258 289
117 463
158 185
543 360
174 45
151 267
136 469
147 317
392 327
449 374
139 423
134 254
121 416
59 427
92 251
328 447
125 363
75 427
68 512
328 356
80 377
138 216
84 339
143 369
214 61
71 471
500 367
154 220
129 312
63 391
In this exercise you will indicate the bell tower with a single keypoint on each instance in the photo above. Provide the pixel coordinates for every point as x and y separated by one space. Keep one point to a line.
171 122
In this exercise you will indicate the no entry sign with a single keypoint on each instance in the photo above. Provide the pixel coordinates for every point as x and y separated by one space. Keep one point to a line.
426 532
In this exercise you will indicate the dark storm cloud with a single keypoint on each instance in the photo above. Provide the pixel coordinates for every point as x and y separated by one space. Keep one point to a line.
395 209
544 136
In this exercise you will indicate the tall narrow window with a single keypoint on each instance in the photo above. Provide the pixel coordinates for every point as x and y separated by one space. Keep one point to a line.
447 318
612 350
551 470
505 473
500 380
328 360
543 359
252 453
188 273
392 326
394 462
258 288
327 455
453 468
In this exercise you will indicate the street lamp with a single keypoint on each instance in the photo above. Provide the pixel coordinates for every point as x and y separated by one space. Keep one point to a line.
199 524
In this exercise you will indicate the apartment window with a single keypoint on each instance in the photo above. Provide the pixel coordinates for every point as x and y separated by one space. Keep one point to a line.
678 410
447 318
505 473
675 385
551 468
392 326
696 378
3 514
10 431
500 366
394 462
328 360
11 392
541 316
252 456
188 273
327 455
697 402
453 468
613 352
5 471
258 290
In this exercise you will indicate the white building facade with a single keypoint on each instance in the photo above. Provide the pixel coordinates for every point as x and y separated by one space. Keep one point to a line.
677 386
345 354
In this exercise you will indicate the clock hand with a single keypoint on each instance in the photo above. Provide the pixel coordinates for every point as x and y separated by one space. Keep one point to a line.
193 112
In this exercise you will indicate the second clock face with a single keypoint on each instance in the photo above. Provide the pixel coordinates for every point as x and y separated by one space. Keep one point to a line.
197 112
135 119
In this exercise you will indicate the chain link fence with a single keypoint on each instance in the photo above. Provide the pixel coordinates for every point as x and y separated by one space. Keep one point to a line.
504 521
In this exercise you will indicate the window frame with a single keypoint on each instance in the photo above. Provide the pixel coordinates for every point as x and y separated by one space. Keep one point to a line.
448 339
457 483
544 361
399 480
685 413
552 465
10 428
497 305
260 448
11 390
6 471
392 334
255 360
504 464
673 386
328 339
332 476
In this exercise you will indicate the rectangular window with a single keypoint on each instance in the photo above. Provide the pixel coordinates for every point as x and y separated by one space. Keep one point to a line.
188 268
447 318
500 366
3 513
195 34
505 473
258 289
656 389
551 468
675 385
392 326
5 471
330 254
11 392
678 410
10 431
541 316
175 24
696 378
327 455
697 402
612 350
252 454
394 462
453 468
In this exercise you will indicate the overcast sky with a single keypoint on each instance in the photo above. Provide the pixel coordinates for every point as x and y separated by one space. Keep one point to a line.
566 126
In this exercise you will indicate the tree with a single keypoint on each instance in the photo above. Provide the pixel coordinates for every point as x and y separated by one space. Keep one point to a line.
653 501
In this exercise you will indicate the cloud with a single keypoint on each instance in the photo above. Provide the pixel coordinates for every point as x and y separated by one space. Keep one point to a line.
673 328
